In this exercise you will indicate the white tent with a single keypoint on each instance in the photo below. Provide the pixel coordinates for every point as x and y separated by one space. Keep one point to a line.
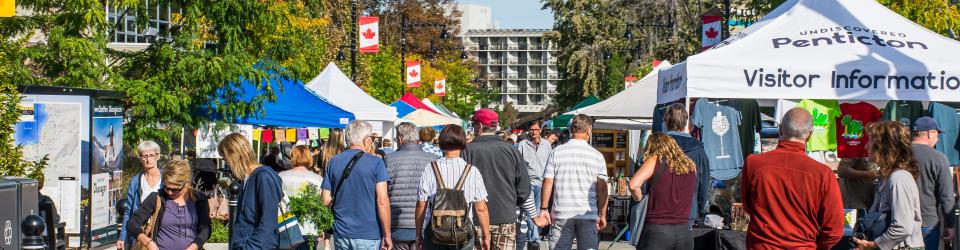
339 90
425 118
635 103
823 49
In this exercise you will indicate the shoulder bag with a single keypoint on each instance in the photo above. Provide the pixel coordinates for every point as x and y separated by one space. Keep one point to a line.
346 173
875 222
638 212
289 227
148 227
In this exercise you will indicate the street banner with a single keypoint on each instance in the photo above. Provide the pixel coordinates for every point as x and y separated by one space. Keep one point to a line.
710 34
440 87
369 32
413 74
628 81
8 8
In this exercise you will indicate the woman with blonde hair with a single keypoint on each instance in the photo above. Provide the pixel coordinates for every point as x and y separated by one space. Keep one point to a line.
183 219
673 183
898 196
259 200
335 145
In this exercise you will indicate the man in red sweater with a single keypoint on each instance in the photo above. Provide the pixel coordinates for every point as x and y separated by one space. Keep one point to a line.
793 201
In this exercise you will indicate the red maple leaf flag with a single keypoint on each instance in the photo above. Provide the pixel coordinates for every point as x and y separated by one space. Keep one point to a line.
711 31
413 74
369 35
440 87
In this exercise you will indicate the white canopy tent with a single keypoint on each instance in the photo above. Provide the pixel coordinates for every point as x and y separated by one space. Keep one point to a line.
425 118
629 109
339 90
823 49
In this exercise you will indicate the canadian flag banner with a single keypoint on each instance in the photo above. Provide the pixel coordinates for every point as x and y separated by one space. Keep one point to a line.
413 74
440 87
629 81
369 32
711 31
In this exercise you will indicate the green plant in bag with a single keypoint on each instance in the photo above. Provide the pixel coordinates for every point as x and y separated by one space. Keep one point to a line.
308 207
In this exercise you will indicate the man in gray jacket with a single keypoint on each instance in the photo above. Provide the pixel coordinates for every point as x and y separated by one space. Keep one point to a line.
405 167
936 187
504 174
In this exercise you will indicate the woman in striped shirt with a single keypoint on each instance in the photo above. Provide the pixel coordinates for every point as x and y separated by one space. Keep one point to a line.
451 167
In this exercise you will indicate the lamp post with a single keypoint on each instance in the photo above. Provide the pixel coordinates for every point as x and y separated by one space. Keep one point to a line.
403 44
353 43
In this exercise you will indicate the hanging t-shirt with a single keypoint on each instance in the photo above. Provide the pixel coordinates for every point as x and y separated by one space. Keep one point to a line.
782 107
825 113
903 111
749 124
851 138
947 118
720 136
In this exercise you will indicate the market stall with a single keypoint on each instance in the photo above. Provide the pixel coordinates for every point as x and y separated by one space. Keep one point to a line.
847 62
288 109
335 87
425 118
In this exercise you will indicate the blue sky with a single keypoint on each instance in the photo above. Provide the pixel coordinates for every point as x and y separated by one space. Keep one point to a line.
518 14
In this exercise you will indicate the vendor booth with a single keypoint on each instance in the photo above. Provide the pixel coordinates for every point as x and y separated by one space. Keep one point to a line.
847 62
332 85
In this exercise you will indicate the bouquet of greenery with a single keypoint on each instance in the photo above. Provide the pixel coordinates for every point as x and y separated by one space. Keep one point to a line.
308 207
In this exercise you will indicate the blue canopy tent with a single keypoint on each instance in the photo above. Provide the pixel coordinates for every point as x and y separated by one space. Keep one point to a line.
403 109
295 106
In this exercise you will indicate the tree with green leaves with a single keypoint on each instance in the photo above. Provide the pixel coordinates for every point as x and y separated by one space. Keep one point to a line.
188 66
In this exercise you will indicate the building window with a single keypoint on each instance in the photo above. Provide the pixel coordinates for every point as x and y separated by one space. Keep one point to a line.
160 16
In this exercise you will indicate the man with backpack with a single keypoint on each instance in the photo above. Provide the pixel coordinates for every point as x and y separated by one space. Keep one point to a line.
451 187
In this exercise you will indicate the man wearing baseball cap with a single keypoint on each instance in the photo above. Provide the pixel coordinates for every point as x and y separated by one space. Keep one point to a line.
504 174
936 187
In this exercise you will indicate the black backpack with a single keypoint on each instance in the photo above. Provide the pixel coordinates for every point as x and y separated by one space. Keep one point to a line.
450 222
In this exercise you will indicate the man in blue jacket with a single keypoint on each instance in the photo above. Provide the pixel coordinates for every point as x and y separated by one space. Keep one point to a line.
675 119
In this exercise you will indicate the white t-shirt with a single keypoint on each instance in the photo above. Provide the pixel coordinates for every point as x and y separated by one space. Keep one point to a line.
146 189
294 181
575 168
450 171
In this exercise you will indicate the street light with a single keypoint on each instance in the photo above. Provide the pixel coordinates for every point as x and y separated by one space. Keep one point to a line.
403 44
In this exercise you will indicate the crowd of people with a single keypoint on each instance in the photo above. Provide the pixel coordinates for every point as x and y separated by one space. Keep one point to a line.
460 189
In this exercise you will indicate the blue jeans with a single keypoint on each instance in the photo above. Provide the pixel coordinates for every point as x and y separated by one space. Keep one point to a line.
341 243
931 237
533 231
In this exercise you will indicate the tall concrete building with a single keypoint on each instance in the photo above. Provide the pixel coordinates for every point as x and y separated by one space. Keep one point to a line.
518 63
475 17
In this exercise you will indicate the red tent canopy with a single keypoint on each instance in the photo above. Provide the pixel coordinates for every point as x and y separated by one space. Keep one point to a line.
415 102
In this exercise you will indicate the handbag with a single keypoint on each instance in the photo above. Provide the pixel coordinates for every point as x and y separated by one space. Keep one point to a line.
638 212
219 206
289 227
147 228
875 222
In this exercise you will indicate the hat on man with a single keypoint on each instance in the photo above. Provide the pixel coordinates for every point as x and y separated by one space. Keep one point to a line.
926 124
485 117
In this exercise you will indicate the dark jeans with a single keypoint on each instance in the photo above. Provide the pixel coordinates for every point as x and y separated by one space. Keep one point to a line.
666 237
931 237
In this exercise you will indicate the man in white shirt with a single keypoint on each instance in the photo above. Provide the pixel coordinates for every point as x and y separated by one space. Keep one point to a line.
578 174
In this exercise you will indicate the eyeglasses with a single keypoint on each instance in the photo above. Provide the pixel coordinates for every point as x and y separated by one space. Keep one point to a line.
173 190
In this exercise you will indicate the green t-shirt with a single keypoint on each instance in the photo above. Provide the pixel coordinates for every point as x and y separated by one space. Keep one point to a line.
825 112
